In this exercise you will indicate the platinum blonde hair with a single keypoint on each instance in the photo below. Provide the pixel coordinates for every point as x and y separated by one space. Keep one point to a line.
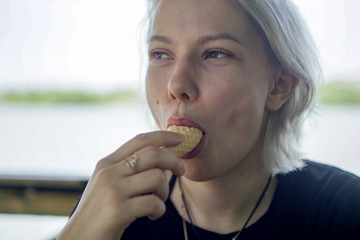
291 44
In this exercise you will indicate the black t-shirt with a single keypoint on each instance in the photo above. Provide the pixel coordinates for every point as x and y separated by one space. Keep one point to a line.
317 202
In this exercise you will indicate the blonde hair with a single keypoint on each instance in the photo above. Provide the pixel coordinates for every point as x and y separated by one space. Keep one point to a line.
291 44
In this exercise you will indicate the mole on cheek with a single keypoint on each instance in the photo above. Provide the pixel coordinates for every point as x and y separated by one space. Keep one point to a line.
157 101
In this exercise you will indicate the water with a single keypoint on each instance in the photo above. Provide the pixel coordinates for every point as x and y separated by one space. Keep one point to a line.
64 139
20 227
59 140
68 140
333 137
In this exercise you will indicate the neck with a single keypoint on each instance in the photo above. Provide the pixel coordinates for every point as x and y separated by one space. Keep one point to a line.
224 204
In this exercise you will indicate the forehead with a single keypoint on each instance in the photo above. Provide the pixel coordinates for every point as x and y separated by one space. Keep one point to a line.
197 17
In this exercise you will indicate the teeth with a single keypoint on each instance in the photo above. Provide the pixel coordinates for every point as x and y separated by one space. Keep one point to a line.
192 137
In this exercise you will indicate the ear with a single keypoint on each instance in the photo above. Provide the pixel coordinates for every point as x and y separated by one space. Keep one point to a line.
281 89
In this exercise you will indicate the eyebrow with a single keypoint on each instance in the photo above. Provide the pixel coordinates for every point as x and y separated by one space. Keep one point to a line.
159 38
202 40
220 36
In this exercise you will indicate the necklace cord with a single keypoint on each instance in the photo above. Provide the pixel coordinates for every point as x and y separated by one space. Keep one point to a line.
258 202
187 211
246 223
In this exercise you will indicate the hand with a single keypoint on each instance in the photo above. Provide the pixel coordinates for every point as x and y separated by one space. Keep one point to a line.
116 194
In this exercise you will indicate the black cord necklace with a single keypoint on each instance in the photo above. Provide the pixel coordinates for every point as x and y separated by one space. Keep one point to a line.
239 232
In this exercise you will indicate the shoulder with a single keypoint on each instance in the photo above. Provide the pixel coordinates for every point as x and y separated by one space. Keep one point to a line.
323 184
321 197
329 179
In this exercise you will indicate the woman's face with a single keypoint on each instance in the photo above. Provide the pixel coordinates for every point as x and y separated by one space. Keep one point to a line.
208 68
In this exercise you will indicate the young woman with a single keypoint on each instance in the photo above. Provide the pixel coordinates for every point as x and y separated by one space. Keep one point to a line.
242 72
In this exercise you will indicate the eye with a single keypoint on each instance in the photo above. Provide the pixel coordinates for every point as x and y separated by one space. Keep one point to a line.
213 53
158 55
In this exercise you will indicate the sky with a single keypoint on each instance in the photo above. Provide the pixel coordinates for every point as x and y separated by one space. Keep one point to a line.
94 44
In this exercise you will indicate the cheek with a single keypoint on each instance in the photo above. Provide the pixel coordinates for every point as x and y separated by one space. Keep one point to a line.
241 131
153 87
154 97
243 116
240 113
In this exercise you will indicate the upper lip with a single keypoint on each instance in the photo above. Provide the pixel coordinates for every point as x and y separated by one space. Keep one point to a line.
183 121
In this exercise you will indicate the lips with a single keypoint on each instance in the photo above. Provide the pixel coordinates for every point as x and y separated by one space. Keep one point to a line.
183 122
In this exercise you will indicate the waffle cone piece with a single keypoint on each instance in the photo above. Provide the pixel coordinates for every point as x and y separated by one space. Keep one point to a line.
192 137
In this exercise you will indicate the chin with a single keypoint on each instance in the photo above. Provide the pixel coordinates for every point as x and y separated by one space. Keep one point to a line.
197 173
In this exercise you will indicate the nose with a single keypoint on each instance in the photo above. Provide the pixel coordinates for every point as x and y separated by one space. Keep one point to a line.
183 84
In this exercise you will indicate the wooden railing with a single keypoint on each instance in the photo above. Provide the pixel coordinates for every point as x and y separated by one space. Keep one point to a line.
39 195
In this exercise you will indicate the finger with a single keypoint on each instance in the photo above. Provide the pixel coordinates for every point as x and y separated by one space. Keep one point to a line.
155 139
147 205
153 157
151 181
146 159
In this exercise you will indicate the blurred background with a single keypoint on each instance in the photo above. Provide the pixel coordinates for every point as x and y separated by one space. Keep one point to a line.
70 94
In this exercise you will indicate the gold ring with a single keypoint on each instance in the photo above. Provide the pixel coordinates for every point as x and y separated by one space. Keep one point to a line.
131 161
